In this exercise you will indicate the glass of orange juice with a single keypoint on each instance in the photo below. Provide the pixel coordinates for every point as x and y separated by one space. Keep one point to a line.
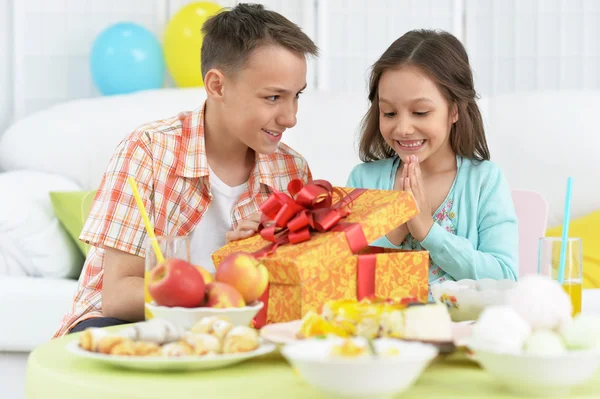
549 264
171 247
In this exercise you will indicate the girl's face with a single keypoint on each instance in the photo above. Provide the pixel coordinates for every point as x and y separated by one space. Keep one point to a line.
414 117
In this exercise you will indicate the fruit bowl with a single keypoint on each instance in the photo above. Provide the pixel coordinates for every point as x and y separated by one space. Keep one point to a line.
467 298
396 367
187 317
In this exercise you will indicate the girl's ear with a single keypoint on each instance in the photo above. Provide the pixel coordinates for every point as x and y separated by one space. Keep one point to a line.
454 113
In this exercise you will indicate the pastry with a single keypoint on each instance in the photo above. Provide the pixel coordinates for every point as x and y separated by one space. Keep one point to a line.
155 330
125 347
147 349
107 343
240 339
90 338
203 344
179 348
204 326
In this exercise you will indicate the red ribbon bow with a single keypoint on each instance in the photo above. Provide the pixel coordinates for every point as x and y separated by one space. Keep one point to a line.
292 218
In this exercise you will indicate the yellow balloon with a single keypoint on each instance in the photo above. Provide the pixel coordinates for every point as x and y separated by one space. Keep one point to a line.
183 41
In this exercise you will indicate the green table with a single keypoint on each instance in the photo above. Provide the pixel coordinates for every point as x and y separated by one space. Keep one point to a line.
52 372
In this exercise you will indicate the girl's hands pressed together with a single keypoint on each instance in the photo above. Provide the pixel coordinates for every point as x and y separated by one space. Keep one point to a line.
419 225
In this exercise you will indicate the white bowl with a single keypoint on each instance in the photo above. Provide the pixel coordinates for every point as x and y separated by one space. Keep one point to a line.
537 375
467 298
362 377
187 317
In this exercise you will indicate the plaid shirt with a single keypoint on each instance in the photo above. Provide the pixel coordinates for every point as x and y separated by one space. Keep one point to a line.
168 160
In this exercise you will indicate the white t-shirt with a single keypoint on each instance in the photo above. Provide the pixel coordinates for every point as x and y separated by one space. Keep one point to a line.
209 234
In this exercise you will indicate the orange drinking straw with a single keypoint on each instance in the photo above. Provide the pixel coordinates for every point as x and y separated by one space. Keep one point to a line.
149 227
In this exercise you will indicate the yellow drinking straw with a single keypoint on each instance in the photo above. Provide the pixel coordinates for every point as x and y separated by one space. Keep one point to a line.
149 227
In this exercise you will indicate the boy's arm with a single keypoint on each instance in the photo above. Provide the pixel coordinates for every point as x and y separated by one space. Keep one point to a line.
123 286
115 224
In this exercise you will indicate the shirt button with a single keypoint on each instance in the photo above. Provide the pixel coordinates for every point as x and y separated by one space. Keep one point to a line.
452 215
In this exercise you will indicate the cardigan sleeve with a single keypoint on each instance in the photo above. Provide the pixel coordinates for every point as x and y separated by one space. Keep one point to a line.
496 255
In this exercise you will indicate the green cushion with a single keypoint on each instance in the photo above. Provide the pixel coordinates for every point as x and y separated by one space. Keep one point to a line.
72 209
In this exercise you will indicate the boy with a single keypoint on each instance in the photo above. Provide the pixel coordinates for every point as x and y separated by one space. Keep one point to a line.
201 172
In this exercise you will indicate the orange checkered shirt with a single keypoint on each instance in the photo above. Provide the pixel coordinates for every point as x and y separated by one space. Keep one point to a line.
168 160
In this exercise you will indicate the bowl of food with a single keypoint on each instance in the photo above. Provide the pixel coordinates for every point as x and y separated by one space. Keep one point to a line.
467 298
357 367
188 317
532 345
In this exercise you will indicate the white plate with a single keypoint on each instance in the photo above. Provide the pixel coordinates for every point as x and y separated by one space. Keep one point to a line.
285 333
163 363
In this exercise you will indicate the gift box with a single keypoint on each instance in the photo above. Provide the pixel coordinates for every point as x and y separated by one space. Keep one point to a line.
314 244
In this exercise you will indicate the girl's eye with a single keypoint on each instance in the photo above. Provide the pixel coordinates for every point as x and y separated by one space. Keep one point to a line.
299 93
389 114
421 113
272 98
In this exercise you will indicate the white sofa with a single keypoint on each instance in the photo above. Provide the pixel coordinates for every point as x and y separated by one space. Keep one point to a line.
538 138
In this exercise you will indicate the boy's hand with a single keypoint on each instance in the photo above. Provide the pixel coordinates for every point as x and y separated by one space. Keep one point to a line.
420 225
245 228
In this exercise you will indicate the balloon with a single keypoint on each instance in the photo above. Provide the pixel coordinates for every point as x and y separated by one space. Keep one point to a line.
126 57
183 41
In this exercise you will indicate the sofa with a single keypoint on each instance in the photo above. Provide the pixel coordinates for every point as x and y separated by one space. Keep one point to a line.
537 138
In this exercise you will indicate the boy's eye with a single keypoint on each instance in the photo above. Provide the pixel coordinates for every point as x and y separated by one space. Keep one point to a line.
423 113
272 98
299 93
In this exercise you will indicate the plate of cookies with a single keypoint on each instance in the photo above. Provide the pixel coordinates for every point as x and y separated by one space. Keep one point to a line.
158 345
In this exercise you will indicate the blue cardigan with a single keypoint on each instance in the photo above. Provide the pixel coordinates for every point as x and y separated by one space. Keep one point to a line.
484 243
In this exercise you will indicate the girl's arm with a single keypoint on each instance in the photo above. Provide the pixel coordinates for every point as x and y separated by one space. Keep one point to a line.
497 254
395 237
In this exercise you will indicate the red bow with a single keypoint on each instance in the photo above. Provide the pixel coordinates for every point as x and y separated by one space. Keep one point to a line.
292 218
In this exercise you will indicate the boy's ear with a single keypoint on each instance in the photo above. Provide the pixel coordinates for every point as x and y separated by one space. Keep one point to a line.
214 83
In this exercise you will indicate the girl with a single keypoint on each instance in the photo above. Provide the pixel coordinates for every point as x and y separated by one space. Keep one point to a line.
423 133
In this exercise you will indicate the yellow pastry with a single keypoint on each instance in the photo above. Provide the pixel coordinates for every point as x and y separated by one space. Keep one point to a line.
107 343
179 348
90 338
203 344
205 325
220 328
240 339
142 348
125 347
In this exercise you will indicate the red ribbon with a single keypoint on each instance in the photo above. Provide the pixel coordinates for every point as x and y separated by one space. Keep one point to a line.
292 218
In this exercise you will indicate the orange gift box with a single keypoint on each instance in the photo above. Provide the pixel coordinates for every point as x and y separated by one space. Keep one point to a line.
329 265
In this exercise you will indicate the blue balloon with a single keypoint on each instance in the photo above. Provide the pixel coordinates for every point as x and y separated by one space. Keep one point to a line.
127 57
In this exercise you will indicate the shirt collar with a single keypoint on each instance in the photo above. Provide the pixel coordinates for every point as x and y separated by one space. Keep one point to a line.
192 161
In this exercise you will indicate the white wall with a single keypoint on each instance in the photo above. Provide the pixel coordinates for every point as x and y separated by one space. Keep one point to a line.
514 45
6 93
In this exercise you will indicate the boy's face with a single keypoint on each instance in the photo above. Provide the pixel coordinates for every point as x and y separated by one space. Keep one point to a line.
415 118
261 100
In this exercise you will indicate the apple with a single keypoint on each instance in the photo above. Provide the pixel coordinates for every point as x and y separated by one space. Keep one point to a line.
208 278
221 295
177 283
245 273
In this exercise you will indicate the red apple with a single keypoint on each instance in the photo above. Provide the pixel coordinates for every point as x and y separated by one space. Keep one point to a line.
245 273
177 283
221 295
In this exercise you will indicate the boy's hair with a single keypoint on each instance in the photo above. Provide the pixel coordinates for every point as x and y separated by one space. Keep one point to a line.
444 59
231 36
